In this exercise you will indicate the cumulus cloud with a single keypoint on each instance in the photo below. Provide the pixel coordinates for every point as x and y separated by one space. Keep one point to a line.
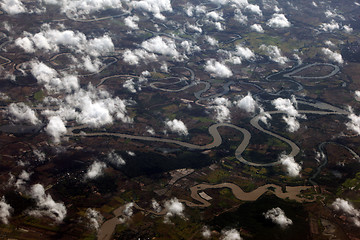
133 57
247 103
77 8
132 22
354 123
240 17
274 53
51 79
244 52
257 28
254 9
49 39
156 7
40 156
330 27
20 112
22 179
206 233
115 158
289 107
177 126
46 205
231 234
95 170
173 208
347 29
127 212
155 206
221 107
212 41
277 215
278 20
161 45
13 6
218 69
94 217
291 167
55 128
92 107
216 16
5 211
348 209
333 56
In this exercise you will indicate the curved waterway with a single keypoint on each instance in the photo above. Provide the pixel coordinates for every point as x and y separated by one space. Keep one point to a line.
292 193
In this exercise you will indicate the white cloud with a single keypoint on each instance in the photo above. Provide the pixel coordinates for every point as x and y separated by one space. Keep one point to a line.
240 17
354 123
156 7
130 85
94 217
218 69
277 215
292 124
46 205
206 233
127 212
91 65
330 27
221 107
51 39
212 41
278 20
173 208
291 167
244 52
216 16
257 28
274 53
51 79
76 8
13 6
231 234
347 208
39 155
95 170
177 126
254 9
134 57
161 45
333 56
347 29
5 211
55 128
194 27
20 112
132 22
286 105
357 93
115 158
155 206
247 103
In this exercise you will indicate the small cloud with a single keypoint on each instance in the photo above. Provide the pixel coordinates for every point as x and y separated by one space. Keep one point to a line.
330 27
221 107
218 69
291 167
55 128
94 217
155 206
46 205
274 54
132 22
278 20
212 41
156 7
277 215
348 209
20 112
206 233
160 45
231 234
257 28
247 103
5 211
333 56
115 159
13 7
173 208
95 170
177 126
127 212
